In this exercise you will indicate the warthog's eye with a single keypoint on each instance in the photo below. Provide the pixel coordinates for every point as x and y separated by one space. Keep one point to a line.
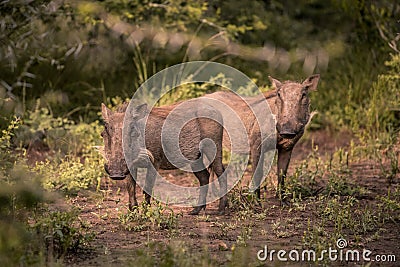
279 94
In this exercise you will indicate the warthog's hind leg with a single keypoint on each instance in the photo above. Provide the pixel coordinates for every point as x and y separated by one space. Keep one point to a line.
149 183
223 187
203 176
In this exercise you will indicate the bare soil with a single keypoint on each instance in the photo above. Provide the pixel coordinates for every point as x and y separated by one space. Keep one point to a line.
281 228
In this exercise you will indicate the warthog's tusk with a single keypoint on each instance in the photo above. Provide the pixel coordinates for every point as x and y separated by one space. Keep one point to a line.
311 117
150 155
143 158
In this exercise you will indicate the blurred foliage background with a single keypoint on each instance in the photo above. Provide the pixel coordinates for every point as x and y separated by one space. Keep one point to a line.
61 58
69 55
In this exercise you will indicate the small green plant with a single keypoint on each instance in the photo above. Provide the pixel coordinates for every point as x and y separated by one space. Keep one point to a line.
244 236
318 238
225 228
19 197
389 172
61 232
338 185
303 182
284 227
149 217
57 134
241 199
389 206
174 253
347 217
339 213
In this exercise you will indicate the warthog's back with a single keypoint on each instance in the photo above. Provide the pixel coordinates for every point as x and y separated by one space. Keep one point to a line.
191 121
245 109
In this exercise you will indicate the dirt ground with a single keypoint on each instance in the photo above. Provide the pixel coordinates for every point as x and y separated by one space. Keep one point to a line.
280 228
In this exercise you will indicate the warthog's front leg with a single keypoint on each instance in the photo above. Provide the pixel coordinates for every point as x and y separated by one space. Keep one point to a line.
283 163
131 188
203 176
223 201
149 183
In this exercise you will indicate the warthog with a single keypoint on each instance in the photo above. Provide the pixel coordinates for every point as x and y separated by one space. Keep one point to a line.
290 103
153 157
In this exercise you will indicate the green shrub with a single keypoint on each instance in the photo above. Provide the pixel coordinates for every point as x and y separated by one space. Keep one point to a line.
241 199
379 111
61 232
58 134
40 126
145 217
82 167
7 156
303 182
71 174
20 195
176 253
29 234
389 206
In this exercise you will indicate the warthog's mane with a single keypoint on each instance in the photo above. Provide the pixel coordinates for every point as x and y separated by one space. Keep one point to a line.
162 112
121 108
269 94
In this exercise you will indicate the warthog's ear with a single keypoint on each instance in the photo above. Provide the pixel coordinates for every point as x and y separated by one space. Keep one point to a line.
311 82
105 112
275 83
140 111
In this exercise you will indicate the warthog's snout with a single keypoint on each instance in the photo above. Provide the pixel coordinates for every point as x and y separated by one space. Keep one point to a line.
115 176
288 135
287 130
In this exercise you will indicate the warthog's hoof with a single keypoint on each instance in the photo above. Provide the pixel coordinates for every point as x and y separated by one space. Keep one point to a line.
196 210
132 206
222 212
223 206
285 202
283 198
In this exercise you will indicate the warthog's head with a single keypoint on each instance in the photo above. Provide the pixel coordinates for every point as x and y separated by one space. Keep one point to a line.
115 165
292 103
138 152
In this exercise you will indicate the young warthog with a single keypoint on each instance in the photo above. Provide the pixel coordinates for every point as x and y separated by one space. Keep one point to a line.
149 130
290 103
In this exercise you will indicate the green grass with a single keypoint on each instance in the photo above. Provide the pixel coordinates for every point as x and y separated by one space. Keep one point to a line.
156 216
